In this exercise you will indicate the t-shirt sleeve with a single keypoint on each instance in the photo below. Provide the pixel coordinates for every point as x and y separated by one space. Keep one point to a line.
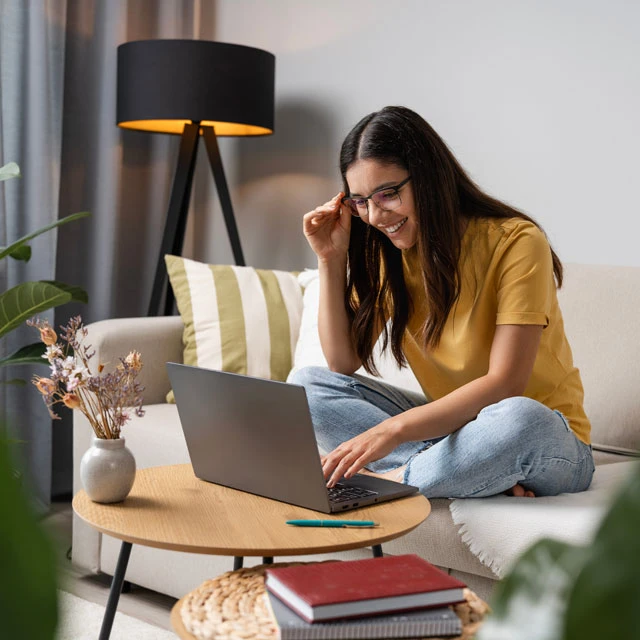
524 278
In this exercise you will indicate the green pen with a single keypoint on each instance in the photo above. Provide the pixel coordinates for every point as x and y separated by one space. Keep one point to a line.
333 523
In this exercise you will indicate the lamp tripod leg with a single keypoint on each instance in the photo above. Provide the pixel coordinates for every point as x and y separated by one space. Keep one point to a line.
175 225
213 151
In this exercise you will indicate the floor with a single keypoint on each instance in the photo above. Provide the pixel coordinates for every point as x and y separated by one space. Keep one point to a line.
149 606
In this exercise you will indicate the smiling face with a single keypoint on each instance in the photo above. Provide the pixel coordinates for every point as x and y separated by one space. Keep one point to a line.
366 177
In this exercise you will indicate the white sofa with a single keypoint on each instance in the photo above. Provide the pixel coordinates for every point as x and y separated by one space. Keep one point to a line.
600 306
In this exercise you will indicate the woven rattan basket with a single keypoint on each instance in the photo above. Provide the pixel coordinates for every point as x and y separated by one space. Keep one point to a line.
232 606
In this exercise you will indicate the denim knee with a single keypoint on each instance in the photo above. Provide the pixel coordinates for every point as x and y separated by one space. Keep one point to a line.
526 419
522 408
306 375
322 385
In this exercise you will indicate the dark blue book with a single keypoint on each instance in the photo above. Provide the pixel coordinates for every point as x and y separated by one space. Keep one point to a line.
409 624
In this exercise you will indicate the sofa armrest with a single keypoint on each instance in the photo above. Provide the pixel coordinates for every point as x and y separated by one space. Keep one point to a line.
158 339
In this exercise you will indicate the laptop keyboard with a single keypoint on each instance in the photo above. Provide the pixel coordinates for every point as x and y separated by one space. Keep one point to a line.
342 492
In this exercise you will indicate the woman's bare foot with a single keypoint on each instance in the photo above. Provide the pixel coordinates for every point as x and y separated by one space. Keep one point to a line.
520 492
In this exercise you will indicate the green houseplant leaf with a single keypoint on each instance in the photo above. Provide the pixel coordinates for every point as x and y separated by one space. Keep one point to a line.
78 294
29 298
28 599
31 354
15 250
530 602
23 252
604 598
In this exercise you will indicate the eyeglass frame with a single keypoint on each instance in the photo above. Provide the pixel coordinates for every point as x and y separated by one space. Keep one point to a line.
395 188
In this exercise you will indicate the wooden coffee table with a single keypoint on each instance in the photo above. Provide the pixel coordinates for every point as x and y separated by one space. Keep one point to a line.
169 508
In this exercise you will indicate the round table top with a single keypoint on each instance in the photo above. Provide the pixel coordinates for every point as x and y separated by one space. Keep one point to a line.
169 508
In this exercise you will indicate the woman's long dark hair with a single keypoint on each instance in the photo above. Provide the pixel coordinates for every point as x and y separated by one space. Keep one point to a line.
444 195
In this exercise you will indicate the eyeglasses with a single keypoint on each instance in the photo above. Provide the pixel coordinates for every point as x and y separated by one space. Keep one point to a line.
387 199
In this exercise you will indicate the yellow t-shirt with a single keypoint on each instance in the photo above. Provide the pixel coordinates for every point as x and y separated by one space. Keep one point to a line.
506 278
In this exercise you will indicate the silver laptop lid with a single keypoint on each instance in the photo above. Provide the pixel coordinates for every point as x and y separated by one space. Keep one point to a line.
241 434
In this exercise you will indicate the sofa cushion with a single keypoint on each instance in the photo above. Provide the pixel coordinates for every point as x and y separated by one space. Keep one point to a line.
237 319
484 524
600 306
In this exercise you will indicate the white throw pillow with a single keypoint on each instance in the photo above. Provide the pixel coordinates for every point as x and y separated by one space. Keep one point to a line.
308 351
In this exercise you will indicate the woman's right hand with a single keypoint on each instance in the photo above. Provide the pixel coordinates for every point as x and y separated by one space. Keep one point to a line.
327 229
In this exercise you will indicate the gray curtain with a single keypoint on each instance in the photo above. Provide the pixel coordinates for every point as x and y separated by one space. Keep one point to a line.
58 122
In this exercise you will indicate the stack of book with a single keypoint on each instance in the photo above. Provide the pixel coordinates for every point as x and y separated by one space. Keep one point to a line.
390 597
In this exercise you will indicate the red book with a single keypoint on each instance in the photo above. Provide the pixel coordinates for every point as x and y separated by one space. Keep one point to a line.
333 590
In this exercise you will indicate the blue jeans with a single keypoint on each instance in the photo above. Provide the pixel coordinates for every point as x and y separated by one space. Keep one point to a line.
515 441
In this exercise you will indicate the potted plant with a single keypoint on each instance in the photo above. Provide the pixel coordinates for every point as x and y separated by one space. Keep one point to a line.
27 553
108 399
23 301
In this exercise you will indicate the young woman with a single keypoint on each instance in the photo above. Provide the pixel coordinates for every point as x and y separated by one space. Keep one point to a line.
462 288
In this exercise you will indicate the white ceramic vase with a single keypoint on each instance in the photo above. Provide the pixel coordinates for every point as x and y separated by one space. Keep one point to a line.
107 470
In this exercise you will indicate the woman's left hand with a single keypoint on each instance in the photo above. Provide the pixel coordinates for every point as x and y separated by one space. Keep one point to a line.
353 455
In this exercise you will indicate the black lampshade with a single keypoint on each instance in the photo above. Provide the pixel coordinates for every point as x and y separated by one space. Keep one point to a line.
164 84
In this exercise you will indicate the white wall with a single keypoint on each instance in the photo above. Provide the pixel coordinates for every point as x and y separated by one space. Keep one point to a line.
539 100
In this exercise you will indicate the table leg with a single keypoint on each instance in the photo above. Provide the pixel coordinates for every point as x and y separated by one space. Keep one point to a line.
114 592
377 550
238 562
267 560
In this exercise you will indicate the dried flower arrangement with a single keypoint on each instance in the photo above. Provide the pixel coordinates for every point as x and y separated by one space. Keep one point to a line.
106 399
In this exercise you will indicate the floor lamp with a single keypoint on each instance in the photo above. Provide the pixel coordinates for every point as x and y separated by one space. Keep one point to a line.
194 88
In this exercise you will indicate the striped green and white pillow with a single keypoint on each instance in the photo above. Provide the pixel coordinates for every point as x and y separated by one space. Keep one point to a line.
237 319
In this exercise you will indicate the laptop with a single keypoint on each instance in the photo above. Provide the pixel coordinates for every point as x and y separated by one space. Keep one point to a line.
256 435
